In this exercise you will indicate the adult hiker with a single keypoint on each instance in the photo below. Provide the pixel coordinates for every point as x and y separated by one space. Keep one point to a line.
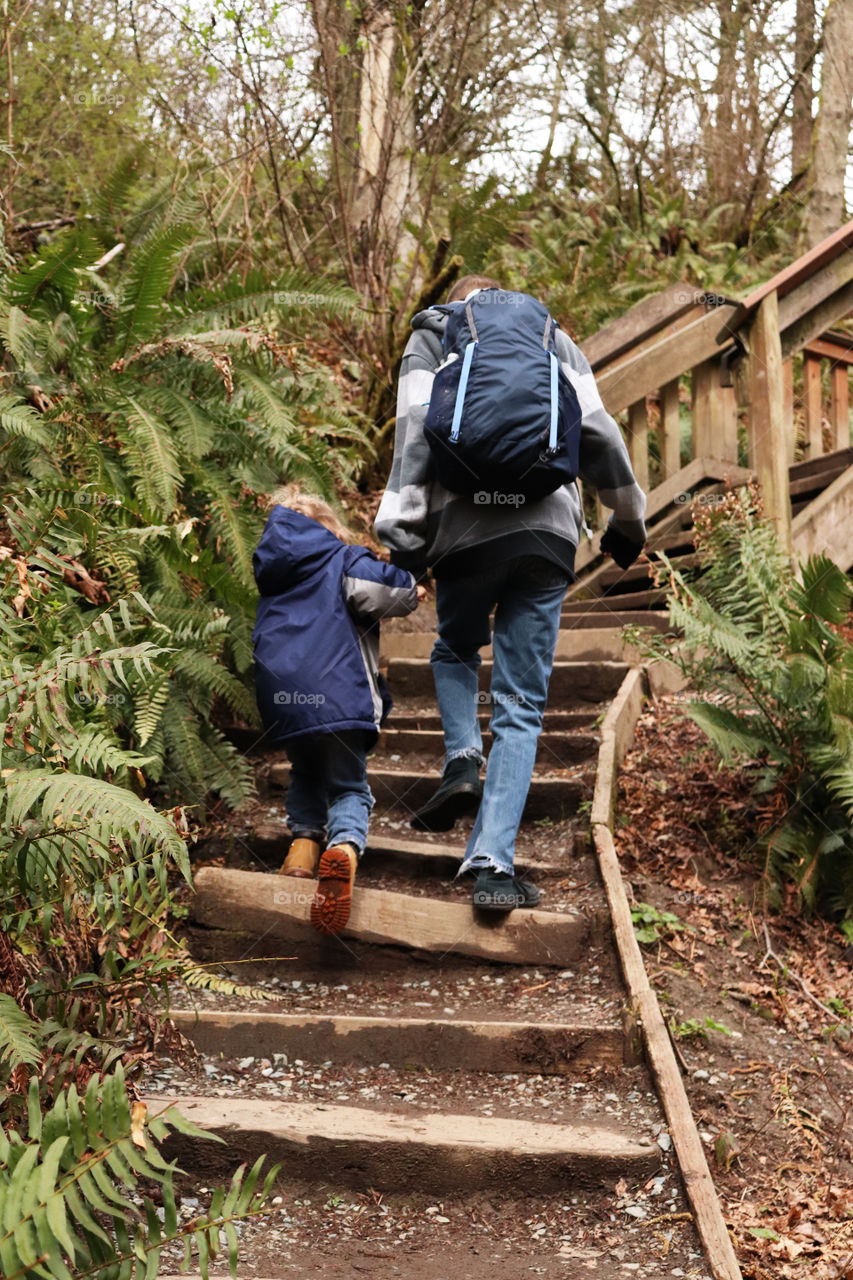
318 686
497 412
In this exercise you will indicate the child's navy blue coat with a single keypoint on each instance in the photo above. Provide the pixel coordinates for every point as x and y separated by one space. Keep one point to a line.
316 636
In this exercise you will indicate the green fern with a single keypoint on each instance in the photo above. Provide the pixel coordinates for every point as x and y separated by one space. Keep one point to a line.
138 434
775 679
20 1037
69 1188
147 284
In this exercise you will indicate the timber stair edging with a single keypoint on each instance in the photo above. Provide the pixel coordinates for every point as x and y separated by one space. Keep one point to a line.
276 908
618 732
408 789
266 840
579 681
570 747
427 1043
574 644
391 1150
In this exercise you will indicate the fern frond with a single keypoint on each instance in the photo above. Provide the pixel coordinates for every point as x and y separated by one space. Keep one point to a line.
20 1037
69 1187
205 673
237 302
147 284
151 455
109 813
199 979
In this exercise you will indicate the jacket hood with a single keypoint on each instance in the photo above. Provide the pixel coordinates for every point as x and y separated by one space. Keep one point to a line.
432 319
293 547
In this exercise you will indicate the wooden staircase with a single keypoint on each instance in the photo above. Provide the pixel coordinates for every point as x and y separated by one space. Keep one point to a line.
427 1054
458 1073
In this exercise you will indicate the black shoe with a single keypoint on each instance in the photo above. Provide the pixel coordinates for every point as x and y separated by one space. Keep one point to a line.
500 891
459 792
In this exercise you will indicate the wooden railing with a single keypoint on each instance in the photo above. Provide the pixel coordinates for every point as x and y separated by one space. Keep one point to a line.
836 350
731 362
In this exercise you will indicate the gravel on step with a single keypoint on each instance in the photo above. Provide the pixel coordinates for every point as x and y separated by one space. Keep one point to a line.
638 1232
623 1099
590 993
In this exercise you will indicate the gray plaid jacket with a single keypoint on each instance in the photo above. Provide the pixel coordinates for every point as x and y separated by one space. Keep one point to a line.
424 524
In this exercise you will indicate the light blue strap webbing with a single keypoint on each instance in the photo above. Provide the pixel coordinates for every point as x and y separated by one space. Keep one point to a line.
460 394
552 437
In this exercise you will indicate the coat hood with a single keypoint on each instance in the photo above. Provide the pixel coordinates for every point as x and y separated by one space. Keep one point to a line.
293 548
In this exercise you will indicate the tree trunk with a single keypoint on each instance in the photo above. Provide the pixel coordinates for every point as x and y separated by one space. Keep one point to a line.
801 114
370 94
825 207
726 168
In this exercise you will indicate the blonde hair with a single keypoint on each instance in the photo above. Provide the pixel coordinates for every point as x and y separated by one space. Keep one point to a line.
314 507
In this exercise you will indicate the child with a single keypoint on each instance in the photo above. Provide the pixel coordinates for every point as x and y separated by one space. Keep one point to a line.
319 691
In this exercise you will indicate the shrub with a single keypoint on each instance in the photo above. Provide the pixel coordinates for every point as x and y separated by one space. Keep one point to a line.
141 423
764 648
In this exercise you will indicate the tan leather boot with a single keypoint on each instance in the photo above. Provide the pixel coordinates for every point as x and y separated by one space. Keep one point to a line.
333 899
302 858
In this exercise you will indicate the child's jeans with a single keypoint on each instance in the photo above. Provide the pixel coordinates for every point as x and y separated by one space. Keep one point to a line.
328 797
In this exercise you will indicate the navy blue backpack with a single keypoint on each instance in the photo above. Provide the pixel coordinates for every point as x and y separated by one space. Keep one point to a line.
503 421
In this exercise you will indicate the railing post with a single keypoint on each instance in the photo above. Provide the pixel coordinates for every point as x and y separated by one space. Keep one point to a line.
670 430
839 406
700 409
761 385
638 442
813 406
788 406
714 415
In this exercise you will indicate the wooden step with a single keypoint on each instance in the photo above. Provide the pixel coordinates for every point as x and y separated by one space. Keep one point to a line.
816 481
572 681
605 645
555 721
389 1150
826 524
269 839
640 573
679 543
617 618
422 1043
554 748
837 460
627 600
408 790
276 908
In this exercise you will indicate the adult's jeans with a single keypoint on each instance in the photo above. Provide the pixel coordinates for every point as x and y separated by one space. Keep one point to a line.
526 594
328 797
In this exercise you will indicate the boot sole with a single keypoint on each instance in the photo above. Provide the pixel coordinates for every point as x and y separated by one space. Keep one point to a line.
443 816
502 909
331 904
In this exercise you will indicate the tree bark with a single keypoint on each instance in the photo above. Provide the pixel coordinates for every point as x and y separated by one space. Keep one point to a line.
803 94
825 205
726 160
370 96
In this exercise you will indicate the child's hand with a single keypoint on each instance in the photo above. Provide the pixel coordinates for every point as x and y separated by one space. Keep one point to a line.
422 592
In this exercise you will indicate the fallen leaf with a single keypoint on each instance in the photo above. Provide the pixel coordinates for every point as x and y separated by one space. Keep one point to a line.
137 1125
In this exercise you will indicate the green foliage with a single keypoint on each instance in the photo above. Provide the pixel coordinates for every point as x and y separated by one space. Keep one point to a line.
69 1189
774 675
588 263
166 412
651 925
143 419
